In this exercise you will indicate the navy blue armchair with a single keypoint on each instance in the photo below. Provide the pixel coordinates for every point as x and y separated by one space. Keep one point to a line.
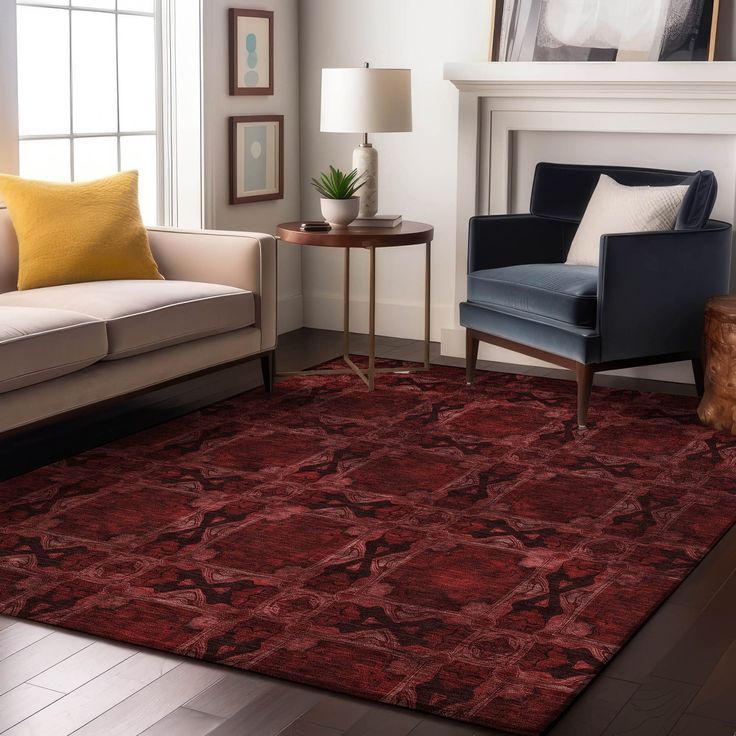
644 303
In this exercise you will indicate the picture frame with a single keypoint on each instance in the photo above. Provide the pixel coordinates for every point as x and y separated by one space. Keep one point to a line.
251 51
494 50
256 158
550 30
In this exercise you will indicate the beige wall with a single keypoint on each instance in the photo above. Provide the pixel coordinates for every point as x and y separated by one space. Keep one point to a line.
417 170
219 105
8 85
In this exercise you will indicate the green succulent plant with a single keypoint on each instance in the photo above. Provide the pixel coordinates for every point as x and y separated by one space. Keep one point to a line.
335 184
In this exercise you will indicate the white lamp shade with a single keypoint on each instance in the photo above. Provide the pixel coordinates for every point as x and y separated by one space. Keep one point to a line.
366 100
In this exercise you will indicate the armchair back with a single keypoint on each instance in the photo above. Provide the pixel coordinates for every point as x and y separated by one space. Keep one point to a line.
562 191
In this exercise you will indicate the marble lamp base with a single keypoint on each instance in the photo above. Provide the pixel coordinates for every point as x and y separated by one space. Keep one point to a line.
365 160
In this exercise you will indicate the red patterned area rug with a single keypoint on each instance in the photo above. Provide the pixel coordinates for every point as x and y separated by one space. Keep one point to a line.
462 551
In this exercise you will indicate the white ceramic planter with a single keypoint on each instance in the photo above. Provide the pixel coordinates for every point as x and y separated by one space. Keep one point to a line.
340 212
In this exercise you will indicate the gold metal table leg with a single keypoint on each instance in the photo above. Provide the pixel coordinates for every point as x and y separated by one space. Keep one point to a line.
427 303
372 324
369 376
346 308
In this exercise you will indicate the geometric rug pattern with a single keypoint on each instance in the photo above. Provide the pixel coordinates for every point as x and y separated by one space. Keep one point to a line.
464 551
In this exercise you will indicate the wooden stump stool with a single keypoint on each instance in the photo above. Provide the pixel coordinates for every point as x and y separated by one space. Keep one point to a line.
718 407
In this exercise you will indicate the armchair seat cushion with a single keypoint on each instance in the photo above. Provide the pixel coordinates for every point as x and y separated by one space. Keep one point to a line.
145 315
553 290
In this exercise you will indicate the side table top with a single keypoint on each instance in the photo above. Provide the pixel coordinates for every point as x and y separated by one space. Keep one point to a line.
408 233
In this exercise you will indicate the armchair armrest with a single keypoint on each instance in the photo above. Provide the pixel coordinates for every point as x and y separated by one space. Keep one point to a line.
243 260
653 287
496 241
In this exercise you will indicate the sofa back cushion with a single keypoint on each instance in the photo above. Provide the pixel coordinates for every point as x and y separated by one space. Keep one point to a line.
8 253
562 191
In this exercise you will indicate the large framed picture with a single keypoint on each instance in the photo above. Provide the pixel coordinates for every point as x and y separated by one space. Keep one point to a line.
604 30
256 158
251 52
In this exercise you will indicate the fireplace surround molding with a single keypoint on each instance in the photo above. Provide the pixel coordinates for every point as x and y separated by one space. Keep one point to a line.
501 102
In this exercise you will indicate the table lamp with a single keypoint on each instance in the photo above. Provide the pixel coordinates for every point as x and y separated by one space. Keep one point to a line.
366 100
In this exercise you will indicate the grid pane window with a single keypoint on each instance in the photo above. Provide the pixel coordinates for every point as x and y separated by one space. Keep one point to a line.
95 157
137 54
87 81
46 159
43 71
101 4
55 3
139 6
139 152
94 99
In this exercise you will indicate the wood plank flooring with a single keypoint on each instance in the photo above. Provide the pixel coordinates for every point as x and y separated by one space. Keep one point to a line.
676 677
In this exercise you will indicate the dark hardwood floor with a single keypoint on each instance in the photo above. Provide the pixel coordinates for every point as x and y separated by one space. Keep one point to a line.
676 677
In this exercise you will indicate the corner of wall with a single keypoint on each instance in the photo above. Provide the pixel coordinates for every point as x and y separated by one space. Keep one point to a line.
219 106
8 89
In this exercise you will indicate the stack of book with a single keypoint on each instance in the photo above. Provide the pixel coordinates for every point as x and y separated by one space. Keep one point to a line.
377 221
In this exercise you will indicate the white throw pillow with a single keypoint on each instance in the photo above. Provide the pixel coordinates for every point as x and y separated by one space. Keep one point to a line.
615 208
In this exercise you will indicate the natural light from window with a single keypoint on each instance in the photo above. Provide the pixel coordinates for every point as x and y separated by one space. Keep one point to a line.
87 92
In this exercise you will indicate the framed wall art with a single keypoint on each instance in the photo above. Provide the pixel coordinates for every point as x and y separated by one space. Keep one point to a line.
602 30
256 158
251 52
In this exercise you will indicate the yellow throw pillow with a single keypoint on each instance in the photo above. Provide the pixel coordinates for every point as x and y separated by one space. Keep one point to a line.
86 231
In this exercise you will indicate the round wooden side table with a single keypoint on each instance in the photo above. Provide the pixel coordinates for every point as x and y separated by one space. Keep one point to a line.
718 407
370 239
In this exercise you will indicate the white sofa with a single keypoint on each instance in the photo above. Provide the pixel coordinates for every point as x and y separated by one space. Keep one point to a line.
64 348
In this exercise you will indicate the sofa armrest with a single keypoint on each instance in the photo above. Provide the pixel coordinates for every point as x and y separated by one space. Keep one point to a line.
653 287
243 260
496 241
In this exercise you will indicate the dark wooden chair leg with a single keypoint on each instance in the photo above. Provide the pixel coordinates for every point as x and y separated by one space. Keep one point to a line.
699 375
268 365
585 375
471 356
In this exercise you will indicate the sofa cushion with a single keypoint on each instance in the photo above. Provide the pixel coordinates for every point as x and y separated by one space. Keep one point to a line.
144 315
40 344
83 231
554 290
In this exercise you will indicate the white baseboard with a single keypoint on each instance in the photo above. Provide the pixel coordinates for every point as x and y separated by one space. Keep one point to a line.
290 315
453 345
393 319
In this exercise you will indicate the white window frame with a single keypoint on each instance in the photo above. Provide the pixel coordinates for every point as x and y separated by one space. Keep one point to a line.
117 134
177 178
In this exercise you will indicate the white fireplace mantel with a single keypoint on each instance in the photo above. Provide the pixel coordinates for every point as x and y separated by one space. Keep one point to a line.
596 79
679 115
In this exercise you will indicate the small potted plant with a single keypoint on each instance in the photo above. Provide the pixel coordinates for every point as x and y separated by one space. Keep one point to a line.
340 206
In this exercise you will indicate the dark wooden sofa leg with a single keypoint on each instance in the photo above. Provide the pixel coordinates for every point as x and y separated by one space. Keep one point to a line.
585 375
268 366
699 374
471 356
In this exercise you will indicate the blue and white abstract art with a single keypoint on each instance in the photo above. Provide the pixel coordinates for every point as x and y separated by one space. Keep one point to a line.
251 52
